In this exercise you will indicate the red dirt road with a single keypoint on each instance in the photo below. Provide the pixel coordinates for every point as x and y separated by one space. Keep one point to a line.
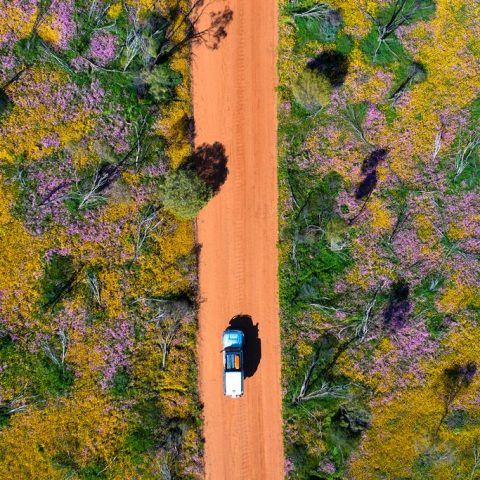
235 104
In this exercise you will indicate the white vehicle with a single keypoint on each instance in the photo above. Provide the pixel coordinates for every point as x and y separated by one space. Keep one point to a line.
233 343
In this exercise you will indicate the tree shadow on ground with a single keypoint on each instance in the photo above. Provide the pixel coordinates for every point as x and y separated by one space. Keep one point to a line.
217 30
253 344
210 163
334 65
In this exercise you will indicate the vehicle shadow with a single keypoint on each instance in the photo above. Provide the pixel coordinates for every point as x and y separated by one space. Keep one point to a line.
253 344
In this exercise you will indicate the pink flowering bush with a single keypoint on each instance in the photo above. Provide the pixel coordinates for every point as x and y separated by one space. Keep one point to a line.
102 48
97 279
379 239
63 22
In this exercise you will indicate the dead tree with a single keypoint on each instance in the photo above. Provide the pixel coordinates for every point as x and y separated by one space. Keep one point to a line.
148 223
93 284
403 12
325 390
353 117
476 461
19 403
466 150
58 354
169 328
362 328
315 372
101 180
168 318
416 74
107 174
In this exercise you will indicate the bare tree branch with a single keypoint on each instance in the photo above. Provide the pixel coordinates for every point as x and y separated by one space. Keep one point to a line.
147 224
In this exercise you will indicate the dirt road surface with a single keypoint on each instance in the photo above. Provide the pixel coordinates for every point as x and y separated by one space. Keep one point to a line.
235 104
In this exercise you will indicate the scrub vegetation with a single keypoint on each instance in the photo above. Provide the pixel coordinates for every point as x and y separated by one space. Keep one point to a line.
380 238
98 262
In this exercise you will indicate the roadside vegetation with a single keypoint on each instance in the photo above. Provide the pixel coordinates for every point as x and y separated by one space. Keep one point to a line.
379 138
98 188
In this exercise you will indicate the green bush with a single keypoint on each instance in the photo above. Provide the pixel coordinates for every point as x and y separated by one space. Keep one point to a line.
32 373
185 193
407 75
381 45
312 90
320 22
321 253
57 278
28 49
162 81
4 101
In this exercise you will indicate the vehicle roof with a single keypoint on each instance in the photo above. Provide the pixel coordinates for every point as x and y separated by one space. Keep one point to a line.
233 384
232 338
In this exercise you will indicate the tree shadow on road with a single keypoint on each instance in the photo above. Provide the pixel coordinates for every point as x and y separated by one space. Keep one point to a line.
210 163
253 344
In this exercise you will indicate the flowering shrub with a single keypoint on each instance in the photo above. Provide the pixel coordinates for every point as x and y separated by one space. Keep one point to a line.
379 269
97 277
17 20
58 27
102 48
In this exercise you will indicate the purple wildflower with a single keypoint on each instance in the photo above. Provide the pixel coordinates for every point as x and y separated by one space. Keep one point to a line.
51 252
63 21
289 466
102 48
94 96
50 141
329 468
373 117
79 64
119 340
